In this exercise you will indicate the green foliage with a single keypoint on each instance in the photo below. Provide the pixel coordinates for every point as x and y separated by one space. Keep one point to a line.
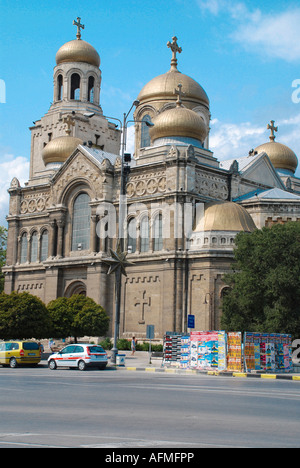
124 345
61 316
77 316
23 316
265 283
106 343
145 347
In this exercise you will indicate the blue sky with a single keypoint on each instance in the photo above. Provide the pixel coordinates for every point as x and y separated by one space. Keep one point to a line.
245 54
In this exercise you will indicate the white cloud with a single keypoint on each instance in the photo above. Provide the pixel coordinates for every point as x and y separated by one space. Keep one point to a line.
112 92
10 167
234 140
231 140
213 6
275 35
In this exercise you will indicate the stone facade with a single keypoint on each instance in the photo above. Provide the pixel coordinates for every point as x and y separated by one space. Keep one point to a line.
64 221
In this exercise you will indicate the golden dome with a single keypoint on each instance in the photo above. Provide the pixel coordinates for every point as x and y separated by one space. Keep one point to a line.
59 149
78 51
178 121
280 155
225 216
162 87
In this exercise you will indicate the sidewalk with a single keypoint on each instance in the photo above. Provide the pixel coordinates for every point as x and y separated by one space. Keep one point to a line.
140 362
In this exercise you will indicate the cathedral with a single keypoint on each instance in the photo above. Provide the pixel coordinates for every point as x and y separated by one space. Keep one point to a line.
176 207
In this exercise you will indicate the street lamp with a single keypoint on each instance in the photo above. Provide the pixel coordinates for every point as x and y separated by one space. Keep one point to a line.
122 198
117 261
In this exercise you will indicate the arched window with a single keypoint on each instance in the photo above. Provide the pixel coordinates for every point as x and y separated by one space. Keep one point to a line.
131 236
157 233
91 89
75 87
145 136
34 248
145 234
44 246
81 223
24 248
60 87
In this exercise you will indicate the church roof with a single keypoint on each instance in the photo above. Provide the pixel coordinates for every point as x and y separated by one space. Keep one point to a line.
99 155
243 162
272 194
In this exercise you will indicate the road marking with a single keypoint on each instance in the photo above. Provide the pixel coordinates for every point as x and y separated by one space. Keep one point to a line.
107 441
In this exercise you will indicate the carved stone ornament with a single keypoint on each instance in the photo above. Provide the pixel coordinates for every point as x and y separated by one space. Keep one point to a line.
173 153
15 183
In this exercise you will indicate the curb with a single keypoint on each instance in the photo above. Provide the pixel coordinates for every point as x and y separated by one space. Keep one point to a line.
169 370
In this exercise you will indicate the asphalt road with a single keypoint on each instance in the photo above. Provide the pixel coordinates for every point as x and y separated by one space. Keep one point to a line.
124 409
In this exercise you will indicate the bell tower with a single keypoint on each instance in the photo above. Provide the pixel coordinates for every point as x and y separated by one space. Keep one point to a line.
77 77
76 91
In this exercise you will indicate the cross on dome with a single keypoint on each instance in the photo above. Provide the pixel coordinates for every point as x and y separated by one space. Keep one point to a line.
175 49
70 123
273 130
79 26
180 94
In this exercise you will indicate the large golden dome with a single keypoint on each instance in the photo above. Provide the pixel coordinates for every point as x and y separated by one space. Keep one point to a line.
281 156
59 149
78 51
162 87
225 216
176 122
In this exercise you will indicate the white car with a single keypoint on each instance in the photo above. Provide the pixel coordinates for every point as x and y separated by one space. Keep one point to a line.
80 356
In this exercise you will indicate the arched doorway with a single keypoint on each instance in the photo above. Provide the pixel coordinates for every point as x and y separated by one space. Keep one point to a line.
77 287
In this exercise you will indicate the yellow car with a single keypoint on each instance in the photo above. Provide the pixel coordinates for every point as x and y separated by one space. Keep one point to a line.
14 353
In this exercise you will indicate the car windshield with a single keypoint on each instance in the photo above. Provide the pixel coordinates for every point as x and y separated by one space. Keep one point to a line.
96 349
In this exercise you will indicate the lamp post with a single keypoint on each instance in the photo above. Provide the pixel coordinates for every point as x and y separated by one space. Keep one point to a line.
118 262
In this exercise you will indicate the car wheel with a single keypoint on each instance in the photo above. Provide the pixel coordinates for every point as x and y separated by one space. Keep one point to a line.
102 367
81 365
13 363
52 364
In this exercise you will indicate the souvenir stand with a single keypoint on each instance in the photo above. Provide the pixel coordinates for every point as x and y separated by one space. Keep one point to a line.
227 352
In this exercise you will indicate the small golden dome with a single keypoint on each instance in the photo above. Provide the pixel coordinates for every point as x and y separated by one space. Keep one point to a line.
281 156
59 149
178 121
225 216
78 51
162 88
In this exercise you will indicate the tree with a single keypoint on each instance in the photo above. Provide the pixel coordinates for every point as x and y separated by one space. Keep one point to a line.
77 316
3 241
264 292
61 317
23 316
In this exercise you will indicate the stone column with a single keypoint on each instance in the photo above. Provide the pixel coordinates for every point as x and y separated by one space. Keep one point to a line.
60 237
52 239
93 236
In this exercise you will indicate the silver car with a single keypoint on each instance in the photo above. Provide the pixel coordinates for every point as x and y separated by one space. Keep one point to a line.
80 356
